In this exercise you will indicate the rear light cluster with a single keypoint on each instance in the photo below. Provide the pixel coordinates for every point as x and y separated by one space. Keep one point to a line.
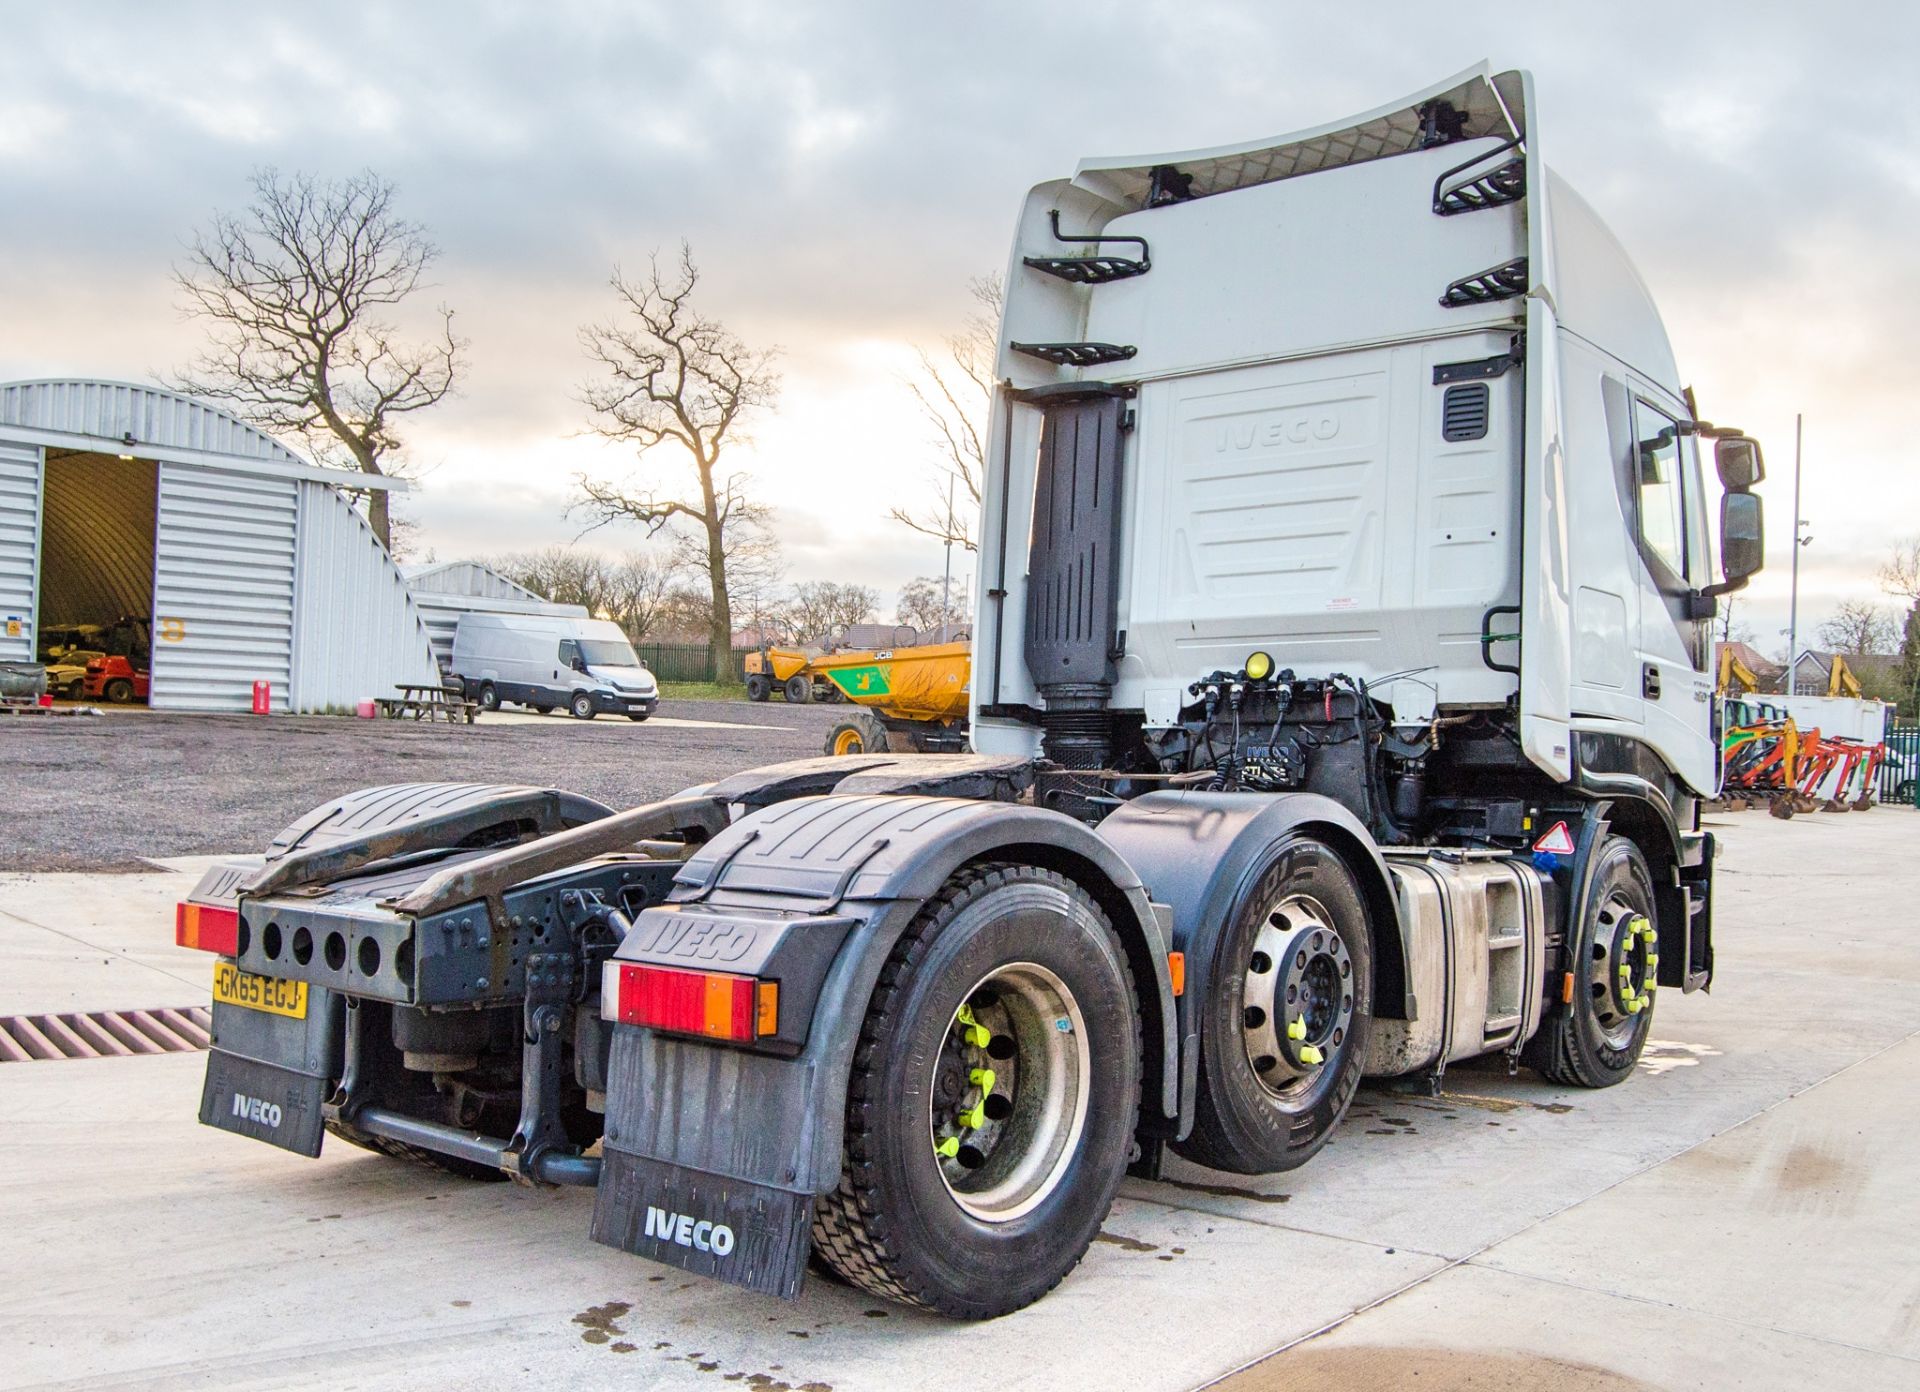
714 1005
208 927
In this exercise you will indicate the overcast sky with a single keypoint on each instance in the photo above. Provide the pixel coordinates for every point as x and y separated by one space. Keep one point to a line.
842 170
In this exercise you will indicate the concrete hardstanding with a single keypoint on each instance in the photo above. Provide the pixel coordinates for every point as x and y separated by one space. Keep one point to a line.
1742 1215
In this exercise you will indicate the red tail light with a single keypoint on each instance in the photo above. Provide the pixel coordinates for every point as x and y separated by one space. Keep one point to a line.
207 927
714 1005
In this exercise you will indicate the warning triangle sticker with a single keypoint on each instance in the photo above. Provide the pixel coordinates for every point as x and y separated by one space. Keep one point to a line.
1558 841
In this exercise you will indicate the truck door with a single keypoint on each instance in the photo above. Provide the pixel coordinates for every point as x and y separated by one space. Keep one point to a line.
1668 511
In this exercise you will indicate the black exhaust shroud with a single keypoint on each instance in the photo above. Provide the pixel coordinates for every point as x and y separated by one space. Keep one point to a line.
1073 573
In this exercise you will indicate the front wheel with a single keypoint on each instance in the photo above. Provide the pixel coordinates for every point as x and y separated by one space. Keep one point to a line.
991 1106
1594 1040
1283 1033
637 716
799 689
581 706
758 687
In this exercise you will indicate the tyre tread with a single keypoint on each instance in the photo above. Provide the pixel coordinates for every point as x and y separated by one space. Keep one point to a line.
849 1230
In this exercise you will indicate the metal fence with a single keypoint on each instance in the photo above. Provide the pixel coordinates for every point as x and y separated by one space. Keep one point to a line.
689 662
1900 772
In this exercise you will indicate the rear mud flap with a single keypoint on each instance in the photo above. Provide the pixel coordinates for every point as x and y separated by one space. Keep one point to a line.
265 1102
748 1234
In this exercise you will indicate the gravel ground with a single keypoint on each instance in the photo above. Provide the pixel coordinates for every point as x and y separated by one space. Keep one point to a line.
99 793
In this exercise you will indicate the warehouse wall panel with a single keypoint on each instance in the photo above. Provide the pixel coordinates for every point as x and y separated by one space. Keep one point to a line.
357 632
20 473
223 588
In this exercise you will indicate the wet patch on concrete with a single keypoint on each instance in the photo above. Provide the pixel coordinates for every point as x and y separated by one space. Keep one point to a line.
1430 1370
597 1322
1123 1242
1225 1191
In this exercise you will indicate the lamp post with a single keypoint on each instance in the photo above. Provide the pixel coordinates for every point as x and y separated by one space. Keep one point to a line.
946 581
1793 602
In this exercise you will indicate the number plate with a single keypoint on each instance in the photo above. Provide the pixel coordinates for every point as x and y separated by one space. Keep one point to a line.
231 986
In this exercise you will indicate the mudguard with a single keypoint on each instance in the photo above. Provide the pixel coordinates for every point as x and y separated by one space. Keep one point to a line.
1198 851
771 1126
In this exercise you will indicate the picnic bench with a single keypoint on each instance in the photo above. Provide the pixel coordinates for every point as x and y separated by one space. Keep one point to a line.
428 701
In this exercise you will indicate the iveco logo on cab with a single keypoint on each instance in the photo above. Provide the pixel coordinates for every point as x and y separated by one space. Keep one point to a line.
256 1109
681 1228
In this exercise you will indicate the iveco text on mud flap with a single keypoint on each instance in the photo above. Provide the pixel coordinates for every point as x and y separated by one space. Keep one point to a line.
1345 582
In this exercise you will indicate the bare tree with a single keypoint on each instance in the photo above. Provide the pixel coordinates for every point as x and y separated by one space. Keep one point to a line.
562 574
920 604
675 376
638 592
1732 630
821 609
1900 575
1857 627
956 398
297 290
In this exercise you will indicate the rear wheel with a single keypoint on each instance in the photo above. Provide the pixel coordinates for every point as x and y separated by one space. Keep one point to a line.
799 689
119 691
1595 1040
544 710
992 1100
758 687
581 706
1283 1036
489 698
860 732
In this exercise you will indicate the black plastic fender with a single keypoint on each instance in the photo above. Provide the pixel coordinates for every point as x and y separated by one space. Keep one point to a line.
365 810
1197 852
777 1121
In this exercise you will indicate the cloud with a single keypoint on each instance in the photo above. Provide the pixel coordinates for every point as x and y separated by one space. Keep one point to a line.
842 169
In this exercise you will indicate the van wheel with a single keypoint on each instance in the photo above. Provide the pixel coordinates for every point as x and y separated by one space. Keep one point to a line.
581 706
544 710
758 687
1596 1040
991 1106
1283 1036
489 698
799 689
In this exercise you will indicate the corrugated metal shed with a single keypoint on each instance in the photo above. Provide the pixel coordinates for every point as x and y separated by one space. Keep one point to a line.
19 548
251 562
443 592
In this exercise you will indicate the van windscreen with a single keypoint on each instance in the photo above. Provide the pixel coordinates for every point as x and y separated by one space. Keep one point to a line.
608 652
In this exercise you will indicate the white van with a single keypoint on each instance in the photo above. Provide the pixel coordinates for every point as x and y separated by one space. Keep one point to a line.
586 665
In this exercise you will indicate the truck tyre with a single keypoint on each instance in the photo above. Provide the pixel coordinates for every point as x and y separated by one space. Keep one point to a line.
489 698
119 691
1284 1023
992 1099
860 732
581 706
1596 1040
399 1150
799 689
758 687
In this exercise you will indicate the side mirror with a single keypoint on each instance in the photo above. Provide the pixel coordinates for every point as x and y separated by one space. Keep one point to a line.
1742 534
1737 457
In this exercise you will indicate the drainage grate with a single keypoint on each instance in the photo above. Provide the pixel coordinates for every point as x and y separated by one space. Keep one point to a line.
103 1034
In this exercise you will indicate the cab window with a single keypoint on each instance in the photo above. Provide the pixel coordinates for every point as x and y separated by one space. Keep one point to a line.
570 655
1660 488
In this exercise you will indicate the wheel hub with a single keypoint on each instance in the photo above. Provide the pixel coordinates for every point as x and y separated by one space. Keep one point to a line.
1623 969
1008 1098
1297 1000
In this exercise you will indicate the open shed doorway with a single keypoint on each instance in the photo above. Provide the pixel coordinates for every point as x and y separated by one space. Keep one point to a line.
96 568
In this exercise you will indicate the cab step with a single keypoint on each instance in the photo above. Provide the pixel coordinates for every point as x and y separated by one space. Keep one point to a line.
1077 354
1096 269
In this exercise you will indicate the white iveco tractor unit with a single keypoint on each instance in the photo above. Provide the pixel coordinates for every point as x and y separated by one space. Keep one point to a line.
1342 708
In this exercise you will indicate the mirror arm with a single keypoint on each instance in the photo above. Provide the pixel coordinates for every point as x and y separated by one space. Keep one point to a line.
1724 587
